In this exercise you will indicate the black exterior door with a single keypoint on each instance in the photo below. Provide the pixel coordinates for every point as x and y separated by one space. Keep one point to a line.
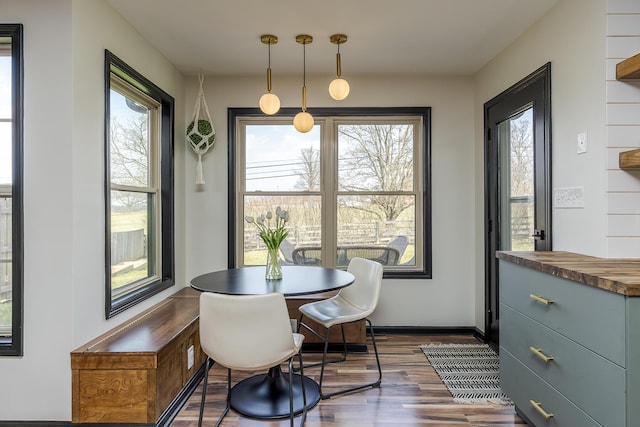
517 179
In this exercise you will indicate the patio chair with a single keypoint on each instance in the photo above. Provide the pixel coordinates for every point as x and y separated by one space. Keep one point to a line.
400 244
286 247
382 254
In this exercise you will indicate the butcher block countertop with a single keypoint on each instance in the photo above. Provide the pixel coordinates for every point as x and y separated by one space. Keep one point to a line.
617 275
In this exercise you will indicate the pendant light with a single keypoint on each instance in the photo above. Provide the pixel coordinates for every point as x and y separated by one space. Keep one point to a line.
339 87
269 102
303 121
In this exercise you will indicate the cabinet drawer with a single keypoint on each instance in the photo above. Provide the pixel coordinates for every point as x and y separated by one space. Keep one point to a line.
593 383
522 385
590 316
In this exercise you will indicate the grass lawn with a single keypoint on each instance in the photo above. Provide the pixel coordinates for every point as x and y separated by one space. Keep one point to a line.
121 279
255 257
128 221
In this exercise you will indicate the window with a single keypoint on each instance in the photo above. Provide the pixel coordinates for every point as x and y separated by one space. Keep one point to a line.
357 184
139 187
11 124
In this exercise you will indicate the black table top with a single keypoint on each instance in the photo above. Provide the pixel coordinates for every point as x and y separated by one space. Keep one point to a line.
296 280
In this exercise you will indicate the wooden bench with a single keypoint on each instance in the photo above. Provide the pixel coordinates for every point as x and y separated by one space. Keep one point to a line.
138 372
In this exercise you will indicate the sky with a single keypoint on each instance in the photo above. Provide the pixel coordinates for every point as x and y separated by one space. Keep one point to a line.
274 155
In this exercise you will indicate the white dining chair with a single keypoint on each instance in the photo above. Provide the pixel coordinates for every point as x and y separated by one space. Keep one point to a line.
248 333
352 303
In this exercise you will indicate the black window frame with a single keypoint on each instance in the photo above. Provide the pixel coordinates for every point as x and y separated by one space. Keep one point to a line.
14 345
425 112
167 117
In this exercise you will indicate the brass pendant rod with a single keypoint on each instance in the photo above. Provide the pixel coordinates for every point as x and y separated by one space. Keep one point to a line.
304 77
304 39
269 39
269 71
304 98
338 39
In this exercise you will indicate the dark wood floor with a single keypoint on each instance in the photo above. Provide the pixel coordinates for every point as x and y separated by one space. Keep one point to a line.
411 393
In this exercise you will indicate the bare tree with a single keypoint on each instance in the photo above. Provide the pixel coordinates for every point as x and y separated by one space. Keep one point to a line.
521 176
129 156
377 158
309 176
521 138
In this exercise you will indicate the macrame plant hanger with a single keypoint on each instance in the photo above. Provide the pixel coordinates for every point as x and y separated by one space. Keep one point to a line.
202 136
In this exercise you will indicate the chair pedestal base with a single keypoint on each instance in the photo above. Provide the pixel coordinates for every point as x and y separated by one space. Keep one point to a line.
267 395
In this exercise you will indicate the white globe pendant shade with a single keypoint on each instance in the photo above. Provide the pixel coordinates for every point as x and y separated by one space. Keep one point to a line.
269 103
339 89
303 122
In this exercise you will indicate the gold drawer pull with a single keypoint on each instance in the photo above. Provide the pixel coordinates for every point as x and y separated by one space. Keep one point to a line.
538 352
538 407
540 299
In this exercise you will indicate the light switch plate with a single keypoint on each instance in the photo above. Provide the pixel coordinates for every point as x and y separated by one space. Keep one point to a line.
570 197
582 143
190 357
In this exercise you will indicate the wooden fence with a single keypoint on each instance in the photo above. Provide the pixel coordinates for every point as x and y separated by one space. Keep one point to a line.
368 233
128 246
5 248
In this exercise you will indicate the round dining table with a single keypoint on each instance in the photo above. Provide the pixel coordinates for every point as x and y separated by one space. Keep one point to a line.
267 395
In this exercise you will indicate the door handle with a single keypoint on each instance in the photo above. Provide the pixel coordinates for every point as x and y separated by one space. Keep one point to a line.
538 234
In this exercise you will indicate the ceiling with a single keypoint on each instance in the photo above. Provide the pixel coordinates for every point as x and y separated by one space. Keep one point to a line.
385 37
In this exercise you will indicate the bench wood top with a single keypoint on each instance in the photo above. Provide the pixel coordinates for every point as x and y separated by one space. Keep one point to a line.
148 332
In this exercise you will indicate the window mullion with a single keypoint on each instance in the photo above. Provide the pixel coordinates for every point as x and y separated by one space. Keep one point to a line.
133 189
329 167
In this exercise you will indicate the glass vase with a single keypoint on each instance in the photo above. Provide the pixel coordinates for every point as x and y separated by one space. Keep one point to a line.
274 270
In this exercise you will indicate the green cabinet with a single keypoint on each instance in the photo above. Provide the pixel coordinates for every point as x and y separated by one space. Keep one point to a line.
568 349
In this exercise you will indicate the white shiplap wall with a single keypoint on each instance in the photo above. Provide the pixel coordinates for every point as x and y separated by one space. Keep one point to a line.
622 131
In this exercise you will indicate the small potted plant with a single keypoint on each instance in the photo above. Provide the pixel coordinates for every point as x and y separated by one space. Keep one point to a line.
272 232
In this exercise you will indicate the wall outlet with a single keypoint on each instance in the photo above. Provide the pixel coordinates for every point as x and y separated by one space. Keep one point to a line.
582 143
190 357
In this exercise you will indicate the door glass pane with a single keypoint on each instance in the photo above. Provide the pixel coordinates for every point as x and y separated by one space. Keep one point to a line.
304 226
129 145
365 231
6 283
517 182
279 158
130 242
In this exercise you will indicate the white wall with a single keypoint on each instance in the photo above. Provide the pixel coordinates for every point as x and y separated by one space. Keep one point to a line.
48 221
64 192
622 131
445 300
571 37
